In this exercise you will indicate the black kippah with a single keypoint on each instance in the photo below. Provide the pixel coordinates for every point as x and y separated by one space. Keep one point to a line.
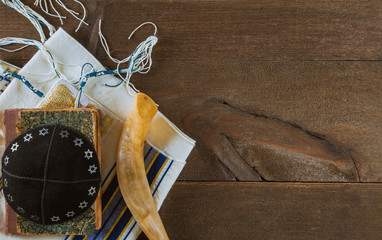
51 174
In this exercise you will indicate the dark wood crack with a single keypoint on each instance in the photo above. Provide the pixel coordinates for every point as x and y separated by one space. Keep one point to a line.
93 44
252 167
269 148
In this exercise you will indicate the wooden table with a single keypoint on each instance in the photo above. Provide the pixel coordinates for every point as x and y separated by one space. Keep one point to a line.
283 98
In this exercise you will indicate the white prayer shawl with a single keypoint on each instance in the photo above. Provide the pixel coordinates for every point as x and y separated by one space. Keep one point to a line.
165 154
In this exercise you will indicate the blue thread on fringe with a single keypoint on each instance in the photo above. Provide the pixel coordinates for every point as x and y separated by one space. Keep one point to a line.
25 81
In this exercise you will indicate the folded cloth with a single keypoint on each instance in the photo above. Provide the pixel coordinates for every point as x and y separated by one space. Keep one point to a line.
166 150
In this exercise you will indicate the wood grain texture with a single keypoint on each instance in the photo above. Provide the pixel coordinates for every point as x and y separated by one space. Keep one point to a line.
224 30
207 51
336 103
251 81
252 30
280 211
293 147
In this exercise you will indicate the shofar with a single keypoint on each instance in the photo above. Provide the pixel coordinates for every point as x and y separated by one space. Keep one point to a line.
131 169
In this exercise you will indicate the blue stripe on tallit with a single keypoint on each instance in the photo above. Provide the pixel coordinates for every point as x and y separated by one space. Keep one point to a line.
107 176
110 212
125 217
131 229
111 208
160 181
156 166
116 206
78 237
107 194
109 221
109 191
110 215
156 188
120 225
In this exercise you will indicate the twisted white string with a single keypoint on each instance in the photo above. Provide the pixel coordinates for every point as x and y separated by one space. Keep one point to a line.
14 50
35 18
44 7
83 79
74 13
28 42
139 61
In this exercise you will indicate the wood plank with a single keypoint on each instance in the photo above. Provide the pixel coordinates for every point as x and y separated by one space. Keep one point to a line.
249 30
260 108
222 30
214 210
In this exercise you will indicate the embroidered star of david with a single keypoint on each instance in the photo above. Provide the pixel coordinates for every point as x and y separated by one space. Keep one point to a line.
10 198
14 147
28 137
88 154
78 142
70 214
61 149
92 169
55 218
83 205
92 190
20 209
6 159
43 132
64 134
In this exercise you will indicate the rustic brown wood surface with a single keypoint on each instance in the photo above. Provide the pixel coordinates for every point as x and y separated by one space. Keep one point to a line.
297 211
271 91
